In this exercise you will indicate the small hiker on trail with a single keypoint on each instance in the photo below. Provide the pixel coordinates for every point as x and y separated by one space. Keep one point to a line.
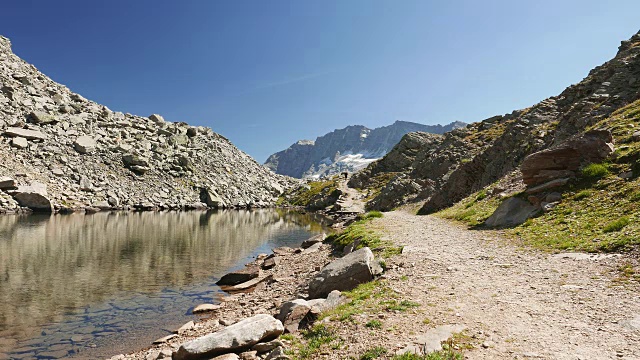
345 174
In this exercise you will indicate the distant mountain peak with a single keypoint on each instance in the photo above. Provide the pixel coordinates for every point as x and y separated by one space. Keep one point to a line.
348 149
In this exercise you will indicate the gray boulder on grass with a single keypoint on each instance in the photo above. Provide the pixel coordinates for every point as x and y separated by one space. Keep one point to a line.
345 273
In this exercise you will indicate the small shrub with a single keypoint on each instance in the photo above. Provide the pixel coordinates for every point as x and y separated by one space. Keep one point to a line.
616 225
481 195
595 171
374 324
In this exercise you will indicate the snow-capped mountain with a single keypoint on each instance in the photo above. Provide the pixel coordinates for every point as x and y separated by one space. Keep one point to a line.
349 149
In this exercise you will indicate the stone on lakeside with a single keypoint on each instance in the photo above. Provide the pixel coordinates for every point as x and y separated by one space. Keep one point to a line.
240 276
234 338
313 240
205 308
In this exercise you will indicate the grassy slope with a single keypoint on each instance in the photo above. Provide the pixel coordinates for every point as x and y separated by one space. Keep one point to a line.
588 218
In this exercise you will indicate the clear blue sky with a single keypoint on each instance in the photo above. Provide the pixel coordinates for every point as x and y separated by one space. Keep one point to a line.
267 73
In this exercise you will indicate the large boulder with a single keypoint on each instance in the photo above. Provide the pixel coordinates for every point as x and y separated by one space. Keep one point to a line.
211 198
42 118
240 276
234 338
513 211
345 273
564 160
84 144
25 133
136 163
33 197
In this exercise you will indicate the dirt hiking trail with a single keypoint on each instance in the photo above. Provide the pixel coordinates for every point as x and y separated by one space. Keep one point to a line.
516 302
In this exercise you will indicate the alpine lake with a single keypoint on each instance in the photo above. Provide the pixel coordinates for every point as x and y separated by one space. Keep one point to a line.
96 285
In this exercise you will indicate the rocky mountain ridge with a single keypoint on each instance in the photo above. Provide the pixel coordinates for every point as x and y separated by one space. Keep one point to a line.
446 169
348 149
61 152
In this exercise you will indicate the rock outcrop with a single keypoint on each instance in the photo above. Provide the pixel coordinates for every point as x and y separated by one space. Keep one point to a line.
349 149
564 160
469 159
87 154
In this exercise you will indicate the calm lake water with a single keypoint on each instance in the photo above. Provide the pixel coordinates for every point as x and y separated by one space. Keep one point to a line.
91 286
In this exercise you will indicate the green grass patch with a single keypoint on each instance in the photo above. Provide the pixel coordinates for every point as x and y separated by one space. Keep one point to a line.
595 171
313 192
402 306
374 324
374 353
616 225
371 298
473 210
583 194
372 215
362 232
312 341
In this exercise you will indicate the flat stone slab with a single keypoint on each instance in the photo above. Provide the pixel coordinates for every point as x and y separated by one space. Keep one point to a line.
205 308
25 133
432 340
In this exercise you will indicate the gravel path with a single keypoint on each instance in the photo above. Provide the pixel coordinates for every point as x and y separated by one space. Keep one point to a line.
514 302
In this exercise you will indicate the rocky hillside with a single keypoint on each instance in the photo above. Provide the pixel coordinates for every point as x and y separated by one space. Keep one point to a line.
349 149
61 151
450 168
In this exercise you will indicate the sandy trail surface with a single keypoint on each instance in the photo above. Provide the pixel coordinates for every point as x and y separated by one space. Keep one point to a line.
513 301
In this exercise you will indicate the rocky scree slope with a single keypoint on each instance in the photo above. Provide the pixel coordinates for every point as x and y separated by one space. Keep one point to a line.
349 149
60 147
444 170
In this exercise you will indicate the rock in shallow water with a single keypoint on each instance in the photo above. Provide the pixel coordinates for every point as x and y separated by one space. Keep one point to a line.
240 276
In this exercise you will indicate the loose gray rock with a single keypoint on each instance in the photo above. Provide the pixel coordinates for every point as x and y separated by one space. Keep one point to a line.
84 144
345 273
264 347
25 133
42 118
234 338
313 240
270 262
292 313
277 354
19 142
33 197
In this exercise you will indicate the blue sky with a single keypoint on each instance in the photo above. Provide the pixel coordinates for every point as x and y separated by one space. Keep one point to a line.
267 73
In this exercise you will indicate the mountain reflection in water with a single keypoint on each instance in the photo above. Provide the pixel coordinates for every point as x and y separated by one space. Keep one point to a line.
58 271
